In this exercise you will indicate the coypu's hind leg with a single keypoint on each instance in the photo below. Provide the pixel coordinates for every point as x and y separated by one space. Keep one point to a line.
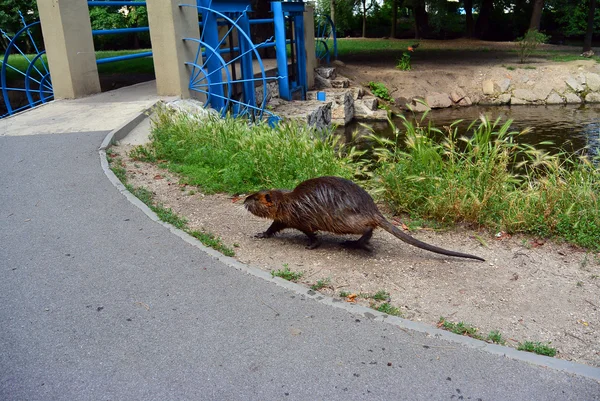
274 228
362 242
313 241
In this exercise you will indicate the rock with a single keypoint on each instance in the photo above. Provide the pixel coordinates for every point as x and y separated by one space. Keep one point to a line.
555 98
465 101
488 87
524 94
573 84
342 109
592 97
438 100
326 72
313 112
338 63
321 82
357 92
370 102
517 101
455 97
504 98
504 85
418 106
572 98
593 81
542 91
340 83
363 112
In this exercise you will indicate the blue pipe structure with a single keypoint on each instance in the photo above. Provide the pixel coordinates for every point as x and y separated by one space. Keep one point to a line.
293 12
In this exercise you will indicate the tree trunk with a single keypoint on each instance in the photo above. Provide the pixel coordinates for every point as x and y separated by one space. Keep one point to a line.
587 41
421 20
364 21
332 11
536 15
483 21
468 4
394 18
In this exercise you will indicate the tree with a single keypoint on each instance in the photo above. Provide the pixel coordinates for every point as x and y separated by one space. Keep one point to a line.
587 42
10 21
468 6
364 14
421 19
536 15
394 18
483 21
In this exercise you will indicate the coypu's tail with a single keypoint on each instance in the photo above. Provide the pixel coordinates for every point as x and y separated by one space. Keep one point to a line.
390 228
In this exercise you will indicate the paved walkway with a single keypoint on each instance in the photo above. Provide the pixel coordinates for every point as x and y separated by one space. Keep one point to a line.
99 302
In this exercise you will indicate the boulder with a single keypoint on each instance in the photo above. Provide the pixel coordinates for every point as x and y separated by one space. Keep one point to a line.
465 101
504 85
593 81
504 98
592 97
525 94
488 87
340 83
573 84
517 101
555 98
438 100
326 72
572 98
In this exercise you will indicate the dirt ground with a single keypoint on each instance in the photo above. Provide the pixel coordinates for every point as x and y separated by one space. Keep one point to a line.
437 70
528 288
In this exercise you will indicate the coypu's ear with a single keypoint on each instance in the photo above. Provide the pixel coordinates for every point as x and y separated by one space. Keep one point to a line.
266 199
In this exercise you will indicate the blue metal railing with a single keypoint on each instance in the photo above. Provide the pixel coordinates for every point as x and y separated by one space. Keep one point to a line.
119 31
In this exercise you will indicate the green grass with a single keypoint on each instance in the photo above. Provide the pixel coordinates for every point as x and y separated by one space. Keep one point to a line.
460 328
350 47
486 179
495 337
320 284
387 308
164 214
537 348
144 65
287 274
229 155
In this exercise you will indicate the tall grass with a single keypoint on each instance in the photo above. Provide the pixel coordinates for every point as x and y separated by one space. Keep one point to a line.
234 156
488 179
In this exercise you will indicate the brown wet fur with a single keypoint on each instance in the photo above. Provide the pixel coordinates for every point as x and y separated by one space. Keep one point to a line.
330 204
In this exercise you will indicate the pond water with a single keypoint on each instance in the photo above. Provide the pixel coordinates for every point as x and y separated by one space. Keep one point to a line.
571 127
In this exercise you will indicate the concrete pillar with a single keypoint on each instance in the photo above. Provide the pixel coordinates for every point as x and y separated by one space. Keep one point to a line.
169 24
309 40
69 47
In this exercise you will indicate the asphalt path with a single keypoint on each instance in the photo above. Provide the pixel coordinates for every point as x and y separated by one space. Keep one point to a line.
99 302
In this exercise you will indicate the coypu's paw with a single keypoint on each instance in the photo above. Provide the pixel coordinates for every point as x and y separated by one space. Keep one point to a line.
357 245
263 235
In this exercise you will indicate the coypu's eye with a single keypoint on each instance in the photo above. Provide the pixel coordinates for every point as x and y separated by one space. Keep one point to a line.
268 198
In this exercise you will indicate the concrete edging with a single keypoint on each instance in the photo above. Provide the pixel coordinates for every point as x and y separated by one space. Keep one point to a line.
368 313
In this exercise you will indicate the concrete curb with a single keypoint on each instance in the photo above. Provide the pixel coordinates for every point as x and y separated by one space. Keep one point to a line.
368 313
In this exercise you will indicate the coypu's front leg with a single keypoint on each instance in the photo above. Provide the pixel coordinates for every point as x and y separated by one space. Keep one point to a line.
362 242
313 241
274 228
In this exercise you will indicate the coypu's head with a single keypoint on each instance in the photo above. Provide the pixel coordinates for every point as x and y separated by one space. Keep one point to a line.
263 203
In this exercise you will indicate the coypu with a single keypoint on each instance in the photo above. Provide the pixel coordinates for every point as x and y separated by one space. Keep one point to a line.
331 204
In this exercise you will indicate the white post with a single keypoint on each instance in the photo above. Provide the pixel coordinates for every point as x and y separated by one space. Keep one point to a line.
69 47
169 24
309 40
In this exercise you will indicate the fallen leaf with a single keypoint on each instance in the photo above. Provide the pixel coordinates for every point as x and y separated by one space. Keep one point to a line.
158 177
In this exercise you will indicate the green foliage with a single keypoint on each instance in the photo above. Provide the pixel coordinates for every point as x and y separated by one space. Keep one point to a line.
10 21
538 348
344 294
212 241
459 328
572 16
322 283
230 155
381 295
287 274
529 43
380 90
496 337
404 62
387 308
487 179
142 153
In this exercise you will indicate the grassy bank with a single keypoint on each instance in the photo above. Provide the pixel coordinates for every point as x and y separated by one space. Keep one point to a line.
488 180
143 65
228 155
485 179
